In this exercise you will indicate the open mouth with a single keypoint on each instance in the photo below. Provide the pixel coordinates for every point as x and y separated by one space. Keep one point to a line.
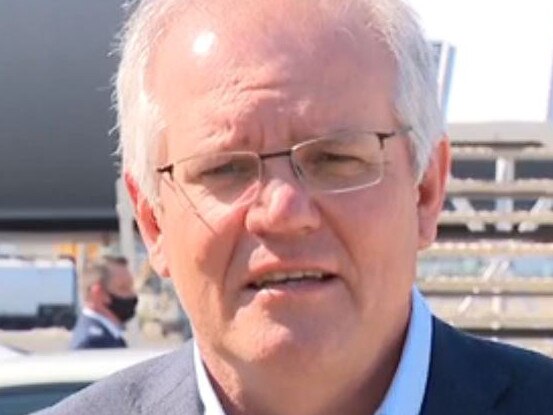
284 280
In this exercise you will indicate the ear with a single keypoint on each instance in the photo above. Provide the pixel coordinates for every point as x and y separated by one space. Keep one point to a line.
148 225
432 192
97 294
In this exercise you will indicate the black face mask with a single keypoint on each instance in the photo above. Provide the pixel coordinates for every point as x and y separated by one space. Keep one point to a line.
122 307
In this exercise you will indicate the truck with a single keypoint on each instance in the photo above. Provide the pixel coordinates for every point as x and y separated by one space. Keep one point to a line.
38 293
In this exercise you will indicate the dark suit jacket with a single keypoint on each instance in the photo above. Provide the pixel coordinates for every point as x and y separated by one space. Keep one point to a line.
89 333
467 376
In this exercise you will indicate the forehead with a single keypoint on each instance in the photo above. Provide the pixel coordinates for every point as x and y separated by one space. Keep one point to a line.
226 65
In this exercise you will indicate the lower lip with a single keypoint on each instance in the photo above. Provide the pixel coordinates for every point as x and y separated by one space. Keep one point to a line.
295 288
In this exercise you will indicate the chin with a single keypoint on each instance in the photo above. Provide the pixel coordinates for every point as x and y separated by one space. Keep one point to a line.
288 347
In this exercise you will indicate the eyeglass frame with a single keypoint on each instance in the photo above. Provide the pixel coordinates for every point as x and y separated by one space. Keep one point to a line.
381 136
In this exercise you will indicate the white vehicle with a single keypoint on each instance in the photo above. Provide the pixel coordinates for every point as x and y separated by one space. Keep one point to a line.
33 382
9 352
37 293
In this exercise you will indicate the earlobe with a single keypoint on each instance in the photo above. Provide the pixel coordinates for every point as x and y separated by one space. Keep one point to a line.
148 225
432 193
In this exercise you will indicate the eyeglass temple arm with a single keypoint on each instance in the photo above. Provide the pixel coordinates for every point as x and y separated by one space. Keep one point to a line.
166 169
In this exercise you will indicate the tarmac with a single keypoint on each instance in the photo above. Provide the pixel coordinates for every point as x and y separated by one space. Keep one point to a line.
48 340
54 339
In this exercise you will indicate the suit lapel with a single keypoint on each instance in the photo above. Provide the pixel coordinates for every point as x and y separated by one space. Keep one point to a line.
464 377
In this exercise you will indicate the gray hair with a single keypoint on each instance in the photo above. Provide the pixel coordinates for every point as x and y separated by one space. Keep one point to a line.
139 119
99 271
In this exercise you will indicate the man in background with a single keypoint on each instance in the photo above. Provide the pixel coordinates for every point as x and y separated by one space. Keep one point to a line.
110 301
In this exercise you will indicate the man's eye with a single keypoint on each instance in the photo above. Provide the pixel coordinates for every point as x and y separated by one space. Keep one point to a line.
336 164
219 169
195 172
235 170
222 170
331 158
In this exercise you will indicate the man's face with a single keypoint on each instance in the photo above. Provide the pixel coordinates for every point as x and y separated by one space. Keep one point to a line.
116 297
263 88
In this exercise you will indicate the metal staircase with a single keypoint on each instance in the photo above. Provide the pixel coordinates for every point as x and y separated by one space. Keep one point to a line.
512 200
491 271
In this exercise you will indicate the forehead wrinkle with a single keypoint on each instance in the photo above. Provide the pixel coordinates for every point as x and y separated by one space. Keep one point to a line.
235 123
259 114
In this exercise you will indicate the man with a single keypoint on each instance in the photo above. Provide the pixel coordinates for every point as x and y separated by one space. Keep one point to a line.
110 301
286 161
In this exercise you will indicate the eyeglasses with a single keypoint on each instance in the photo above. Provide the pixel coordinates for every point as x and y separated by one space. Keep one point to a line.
337 163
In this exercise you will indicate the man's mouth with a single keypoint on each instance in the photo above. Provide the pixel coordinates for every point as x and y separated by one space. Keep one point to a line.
290 278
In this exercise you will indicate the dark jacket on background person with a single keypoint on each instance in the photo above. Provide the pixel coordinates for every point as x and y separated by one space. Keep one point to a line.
91 333
467 376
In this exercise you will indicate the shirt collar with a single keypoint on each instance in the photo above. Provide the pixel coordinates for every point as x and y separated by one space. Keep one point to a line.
114 329
406 392
212 405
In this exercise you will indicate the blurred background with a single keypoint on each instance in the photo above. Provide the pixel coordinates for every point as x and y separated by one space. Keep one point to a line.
61 206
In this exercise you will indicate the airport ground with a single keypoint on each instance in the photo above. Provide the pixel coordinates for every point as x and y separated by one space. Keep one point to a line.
47 340
55 339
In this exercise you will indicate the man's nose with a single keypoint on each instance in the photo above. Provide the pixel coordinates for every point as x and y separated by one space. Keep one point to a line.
283 206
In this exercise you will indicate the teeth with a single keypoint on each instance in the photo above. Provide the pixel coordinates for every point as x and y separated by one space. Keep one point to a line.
276 277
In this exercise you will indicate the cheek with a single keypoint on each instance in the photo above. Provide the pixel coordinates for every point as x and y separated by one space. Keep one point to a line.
198 251
380 236
381 218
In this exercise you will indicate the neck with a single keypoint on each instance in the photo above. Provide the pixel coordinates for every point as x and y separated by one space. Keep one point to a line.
355 386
